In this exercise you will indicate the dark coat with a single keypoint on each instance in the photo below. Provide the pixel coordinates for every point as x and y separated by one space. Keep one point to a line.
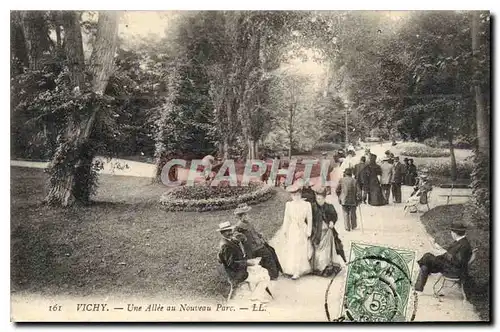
254 240
453 263
309 195
321 214
348 191
360 175
398 173
234 261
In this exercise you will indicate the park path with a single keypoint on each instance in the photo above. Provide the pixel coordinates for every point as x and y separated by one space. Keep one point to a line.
114 166
303 299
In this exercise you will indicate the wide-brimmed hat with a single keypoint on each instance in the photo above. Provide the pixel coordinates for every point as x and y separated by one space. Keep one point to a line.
458 226
319 190
225 226
293 188
324 153
242 208
300 182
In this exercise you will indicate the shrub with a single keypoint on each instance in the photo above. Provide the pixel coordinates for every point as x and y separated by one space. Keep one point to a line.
419 150
460 142
327 146
211 198
441 168
435 143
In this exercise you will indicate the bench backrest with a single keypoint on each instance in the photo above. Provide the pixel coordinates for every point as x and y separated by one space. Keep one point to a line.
472 257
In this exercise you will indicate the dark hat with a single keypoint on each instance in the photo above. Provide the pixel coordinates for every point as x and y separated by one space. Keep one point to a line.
458 226
348 171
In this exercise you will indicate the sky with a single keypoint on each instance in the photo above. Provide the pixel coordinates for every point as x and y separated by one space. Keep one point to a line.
140 24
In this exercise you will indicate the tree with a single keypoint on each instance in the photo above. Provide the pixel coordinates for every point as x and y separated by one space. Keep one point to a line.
291 107
480 42
72 177
36 37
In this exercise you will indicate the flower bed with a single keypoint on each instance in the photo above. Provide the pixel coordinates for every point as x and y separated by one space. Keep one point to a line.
419 150
211 198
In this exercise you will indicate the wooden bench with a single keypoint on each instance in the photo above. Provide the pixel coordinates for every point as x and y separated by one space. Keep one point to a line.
453 280
449 196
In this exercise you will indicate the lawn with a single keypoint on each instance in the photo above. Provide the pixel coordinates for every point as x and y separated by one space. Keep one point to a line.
123 244
437 223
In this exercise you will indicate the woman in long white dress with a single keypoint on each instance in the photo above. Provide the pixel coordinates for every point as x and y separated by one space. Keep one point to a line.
292 243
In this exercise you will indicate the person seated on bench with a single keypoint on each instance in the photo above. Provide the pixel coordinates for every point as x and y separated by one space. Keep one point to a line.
255 244
453 261
419 194
238 268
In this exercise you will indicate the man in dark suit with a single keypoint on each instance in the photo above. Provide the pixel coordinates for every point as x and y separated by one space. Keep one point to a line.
349 197
398 174
453 262
362 178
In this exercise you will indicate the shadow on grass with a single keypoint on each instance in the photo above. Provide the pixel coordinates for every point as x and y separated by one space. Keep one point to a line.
124 243
437 223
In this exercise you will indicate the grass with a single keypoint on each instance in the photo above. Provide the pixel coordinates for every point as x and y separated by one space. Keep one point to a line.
122 244
437 223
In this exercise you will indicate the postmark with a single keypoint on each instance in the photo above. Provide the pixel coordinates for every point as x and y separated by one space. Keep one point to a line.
378 284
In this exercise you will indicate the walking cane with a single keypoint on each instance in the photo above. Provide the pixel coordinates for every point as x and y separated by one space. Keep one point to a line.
361 219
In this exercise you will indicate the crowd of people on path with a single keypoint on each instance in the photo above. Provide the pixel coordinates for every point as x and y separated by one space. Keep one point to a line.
306 243
378 182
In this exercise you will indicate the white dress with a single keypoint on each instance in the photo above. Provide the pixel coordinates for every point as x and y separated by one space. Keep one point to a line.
292 243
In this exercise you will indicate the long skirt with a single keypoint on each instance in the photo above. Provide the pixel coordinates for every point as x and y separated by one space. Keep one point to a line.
293 251
325 259
375 195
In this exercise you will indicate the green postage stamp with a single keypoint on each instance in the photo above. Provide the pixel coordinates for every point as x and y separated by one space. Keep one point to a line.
378 285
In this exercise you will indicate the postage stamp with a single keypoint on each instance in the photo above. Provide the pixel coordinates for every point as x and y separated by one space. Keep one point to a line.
378 284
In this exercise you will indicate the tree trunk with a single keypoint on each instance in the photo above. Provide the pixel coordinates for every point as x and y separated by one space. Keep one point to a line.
18 49
290 131
482 116
72 180
35 32
225 148
453 160
162 148
73 47
481 172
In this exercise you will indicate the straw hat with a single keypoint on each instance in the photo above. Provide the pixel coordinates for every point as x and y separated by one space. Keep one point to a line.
293 188
225 226
242 208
